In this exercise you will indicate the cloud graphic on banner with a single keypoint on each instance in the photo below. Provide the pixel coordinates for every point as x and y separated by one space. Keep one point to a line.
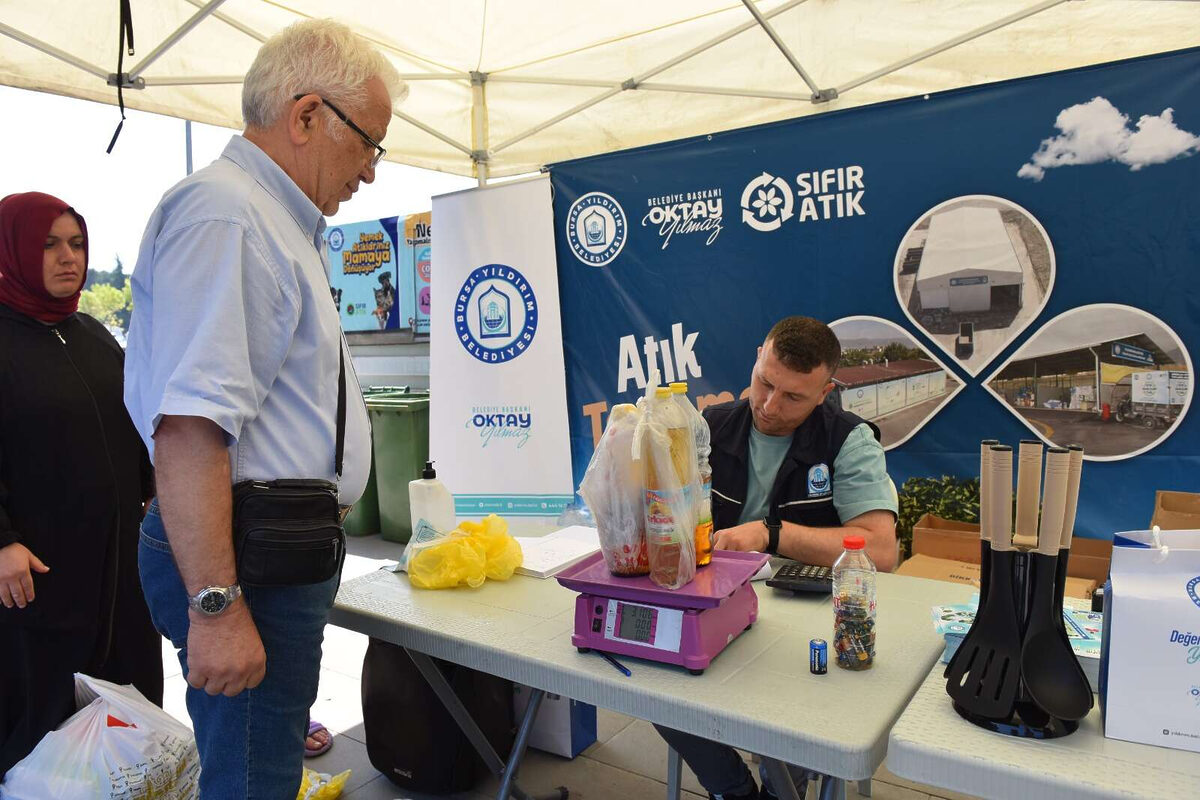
1096 131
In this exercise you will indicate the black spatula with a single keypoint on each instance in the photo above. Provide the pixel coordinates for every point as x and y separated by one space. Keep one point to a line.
1052 675
985 679
985 534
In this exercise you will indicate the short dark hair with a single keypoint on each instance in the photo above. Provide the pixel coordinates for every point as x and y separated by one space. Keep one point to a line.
804 343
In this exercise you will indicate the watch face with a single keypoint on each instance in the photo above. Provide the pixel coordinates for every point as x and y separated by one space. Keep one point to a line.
213 602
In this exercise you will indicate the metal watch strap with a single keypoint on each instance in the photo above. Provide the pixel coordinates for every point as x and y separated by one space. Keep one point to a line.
232 593
773 528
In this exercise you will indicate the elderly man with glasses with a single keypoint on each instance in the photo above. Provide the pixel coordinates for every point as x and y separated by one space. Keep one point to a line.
237 371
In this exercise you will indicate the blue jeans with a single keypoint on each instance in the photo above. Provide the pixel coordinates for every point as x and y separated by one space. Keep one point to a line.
252 745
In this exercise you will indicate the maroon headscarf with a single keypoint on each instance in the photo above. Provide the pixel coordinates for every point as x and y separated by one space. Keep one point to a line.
25 220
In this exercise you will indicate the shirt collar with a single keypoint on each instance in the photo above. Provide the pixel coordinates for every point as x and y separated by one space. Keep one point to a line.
277 183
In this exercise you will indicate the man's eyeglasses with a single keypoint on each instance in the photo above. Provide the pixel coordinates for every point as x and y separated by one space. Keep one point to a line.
380 152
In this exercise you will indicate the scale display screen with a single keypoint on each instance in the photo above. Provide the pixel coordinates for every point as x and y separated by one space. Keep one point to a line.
653 626
637 622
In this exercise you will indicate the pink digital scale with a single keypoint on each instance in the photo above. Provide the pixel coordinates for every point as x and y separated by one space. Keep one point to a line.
687 626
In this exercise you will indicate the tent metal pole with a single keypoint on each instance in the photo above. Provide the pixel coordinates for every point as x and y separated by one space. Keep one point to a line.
170 41
653 87
955 42
462 148
187 144
51 50
783 48
632 83
479 126
231 22
194 80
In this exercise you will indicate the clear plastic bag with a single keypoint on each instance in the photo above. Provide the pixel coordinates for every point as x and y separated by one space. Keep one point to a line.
612 488
663 442
118 745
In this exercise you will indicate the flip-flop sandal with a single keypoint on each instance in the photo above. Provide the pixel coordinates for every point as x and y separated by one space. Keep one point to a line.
314 728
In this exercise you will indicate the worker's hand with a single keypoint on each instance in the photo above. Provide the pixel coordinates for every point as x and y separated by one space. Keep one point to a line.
17 566
751 536
225 653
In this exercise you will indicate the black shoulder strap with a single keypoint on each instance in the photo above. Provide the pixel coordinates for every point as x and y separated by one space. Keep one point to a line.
340 446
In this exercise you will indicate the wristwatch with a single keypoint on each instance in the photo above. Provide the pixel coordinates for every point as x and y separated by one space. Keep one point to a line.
773 528
212 601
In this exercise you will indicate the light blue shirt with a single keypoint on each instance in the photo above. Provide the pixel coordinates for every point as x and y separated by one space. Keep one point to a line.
233 321
860 479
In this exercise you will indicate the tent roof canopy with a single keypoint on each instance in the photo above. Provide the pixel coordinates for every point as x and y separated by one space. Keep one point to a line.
505 88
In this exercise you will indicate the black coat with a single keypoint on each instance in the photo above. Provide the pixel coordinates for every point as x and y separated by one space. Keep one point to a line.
73 470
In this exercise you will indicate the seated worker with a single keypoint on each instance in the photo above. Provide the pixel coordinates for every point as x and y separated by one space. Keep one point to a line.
792 474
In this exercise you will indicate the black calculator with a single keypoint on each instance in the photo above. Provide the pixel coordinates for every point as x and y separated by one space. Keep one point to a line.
798 577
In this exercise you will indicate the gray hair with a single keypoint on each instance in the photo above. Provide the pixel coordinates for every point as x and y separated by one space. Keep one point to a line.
318 56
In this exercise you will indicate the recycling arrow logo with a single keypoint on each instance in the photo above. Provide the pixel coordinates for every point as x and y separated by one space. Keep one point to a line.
766 203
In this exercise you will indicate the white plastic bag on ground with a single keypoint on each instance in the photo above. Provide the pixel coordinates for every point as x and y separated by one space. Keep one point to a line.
118 746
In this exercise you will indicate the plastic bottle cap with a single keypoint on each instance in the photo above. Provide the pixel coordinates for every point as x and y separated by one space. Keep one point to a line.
679 387
662 391
854 542
429 472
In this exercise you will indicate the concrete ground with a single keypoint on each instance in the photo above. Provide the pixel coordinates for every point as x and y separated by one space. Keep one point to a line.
896 426
627 761
1098 438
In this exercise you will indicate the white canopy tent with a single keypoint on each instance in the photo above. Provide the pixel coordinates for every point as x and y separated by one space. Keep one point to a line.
504 87
967 254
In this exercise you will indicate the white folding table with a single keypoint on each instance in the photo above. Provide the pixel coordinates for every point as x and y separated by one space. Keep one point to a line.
757 695
932 744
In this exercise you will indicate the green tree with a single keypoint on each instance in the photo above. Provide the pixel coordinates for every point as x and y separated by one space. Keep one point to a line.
108 304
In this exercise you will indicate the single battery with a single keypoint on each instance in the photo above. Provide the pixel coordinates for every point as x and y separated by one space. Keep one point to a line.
818 657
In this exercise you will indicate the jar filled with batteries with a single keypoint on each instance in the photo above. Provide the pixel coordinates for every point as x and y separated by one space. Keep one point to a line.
854 606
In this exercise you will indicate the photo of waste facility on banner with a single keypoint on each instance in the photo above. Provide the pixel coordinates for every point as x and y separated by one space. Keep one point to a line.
371 274
968 220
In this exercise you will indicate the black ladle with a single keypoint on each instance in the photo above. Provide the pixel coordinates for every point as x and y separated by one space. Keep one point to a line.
984 680
1048 664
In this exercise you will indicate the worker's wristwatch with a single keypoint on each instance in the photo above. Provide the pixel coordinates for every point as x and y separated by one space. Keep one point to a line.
212 601
773 528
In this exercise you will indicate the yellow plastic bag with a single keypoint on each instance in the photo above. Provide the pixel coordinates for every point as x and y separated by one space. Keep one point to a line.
473 552
502 552
321 785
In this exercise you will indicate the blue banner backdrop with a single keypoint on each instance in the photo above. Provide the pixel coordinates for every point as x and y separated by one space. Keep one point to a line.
687 252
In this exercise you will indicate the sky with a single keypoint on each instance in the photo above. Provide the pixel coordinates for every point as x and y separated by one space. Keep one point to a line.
56 145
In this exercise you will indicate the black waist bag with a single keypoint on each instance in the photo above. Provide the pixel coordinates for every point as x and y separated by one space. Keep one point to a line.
287 532
411 737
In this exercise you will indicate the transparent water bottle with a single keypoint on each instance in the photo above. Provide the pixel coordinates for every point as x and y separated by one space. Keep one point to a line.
703 504
854 605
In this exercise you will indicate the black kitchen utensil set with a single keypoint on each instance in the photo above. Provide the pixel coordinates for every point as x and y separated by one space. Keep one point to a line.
1015 671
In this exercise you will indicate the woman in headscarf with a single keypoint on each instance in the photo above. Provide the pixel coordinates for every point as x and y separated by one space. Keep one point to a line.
74 476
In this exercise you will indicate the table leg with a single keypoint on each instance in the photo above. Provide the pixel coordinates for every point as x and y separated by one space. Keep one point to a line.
864 788
507 772
508 777
833 788
674 773
781 779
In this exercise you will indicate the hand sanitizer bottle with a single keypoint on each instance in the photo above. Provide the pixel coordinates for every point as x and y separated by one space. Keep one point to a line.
430 500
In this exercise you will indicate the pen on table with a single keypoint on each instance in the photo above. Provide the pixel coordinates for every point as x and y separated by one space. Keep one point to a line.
616 664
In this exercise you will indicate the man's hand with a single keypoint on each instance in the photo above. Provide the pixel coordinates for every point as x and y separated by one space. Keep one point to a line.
746 537
16 578
225 653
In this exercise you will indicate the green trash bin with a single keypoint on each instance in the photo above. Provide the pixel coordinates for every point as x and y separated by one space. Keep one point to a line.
400 433
363 519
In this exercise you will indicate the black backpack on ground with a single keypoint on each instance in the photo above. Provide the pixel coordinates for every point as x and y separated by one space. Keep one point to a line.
411 737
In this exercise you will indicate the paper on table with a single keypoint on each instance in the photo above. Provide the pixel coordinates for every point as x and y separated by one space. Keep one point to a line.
544 556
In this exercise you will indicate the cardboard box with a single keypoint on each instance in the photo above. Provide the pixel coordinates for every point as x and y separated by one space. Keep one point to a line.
1176 511
943 569
959 541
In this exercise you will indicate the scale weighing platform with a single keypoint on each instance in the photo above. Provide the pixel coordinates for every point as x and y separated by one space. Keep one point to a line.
687 626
